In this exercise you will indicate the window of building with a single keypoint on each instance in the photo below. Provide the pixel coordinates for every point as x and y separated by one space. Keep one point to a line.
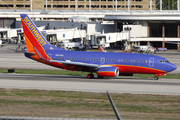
80 6
103 6
94 6
155 29
170 29
47 6
6 5
27 5
19 5
110 6
60 6
60 0
72 6
139 6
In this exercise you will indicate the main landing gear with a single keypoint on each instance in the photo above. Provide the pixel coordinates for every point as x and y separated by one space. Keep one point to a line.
90 76
156 78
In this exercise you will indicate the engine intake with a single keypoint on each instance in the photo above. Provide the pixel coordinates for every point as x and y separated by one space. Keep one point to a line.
108 72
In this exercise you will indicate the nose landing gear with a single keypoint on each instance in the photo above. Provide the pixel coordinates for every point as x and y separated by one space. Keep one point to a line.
156 78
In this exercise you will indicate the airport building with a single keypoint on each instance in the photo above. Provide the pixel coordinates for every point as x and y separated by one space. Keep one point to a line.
147 26
78 4
150 29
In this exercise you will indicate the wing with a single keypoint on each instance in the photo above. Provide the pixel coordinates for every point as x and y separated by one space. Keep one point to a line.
172 42
169 42
78 65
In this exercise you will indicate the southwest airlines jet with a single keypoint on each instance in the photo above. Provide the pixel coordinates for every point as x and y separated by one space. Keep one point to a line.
105 64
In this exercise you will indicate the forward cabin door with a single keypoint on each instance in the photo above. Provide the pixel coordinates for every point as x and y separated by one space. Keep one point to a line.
151 62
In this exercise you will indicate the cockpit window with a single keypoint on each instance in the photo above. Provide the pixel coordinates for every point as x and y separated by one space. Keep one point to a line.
164 61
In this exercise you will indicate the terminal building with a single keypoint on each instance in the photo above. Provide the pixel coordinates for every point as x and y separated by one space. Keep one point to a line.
150 29
78 4
145 24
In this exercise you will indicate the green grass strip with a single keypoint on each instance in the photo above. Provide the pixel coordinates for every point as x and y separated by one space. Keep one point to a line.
79 73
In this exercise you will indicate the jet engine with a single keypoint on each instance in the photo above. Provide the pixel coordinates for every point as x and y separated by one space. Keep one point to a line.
108 71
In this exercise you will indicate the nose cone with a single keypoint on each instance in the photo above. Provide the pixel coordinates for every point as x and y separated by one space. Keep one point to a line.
171 67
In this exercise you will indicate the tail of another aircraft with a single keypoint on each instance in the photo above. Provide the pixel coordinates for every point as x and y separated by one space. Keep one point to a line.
101 49
35 41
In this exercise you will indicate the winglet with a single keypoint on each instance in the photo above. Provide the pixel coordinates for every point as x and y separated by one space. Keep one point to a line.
163 38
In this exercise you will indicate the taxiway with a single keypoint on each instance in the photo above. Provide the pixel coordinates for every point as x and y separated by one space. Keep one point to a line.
81 83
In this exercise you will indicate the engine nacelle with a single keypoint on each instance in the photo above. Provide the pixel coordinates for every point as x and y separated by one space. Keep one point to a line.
108 72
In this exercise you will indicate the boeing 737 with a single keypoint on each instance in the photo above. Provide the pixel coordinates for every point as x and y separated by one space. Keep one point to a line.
105 64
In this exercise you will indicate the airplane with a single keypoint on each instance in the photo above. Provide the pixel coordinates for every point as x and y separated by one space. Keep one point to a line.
169 42
105 64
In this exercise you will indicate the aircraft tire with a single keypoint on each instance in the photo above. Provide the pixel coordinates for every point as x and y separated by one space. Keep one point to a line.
156 78
90 76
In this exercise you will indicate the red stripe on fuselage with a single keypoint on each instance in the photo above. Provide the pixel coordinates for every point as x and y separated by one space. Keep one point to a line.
137 69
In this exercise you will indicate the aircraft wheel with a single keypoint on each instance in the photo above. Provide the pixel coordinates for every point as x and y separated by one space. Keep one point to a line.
156 78
90 76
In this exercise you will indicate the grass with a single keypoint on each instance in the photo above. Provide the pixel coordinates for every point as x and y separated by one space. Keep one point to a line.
77 73
54 103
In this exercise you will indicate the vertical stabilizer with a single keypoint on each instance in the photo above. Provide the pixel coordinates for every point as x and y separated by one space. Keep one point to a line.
34 38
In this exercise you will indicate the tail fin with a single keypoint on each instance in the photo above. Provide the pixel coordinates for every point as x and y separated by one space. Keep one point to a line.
101 49
35 41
